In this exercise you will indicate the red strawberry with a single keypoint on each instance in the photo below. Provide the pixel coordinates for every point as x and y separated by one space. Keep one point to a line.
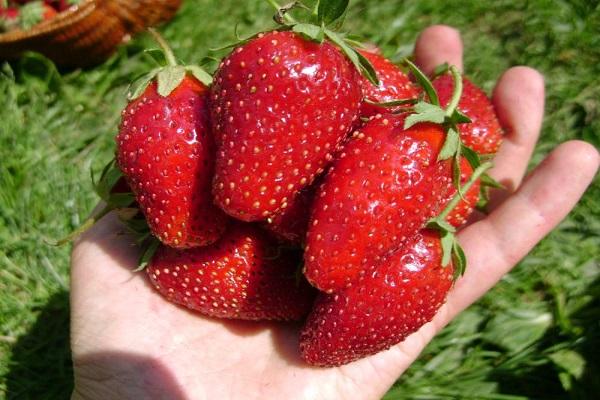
292 222
394 84
465 207
382 188
9 19
389 303
483 134
280 107
240 277
166 152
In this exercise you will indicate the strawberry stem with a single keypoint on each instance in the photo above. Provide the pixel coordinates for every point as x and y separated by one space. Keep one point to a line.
465 188
169 56
282 12
457 93
92 219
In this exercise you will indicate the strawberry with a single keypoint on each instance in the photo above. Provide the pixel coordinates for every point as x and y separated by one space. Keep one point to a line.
241 276
483 134
166 152
291 224
280 106
381 188
9 18
388 303
394 84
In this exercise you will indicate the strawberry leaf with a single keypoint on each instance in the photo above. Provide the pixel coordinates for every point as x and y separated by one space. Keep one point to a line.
169 78
488 181
424 82
330 10
391 103
156 55
460 118
147 254
459 259
139 85
367 68
363 65
310 31
451 144
471 156
31 14
199 74
440 70
441 225
447 242
456 174
425 112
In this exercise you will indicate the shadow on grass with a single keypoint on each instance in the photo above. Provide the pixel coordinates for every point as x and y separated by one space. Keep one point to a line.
40 365
543 381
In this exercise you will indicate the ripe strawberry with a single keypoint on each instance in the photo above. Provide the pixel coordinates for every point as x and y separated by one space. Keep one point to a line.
391 301
291 223
394 84
382 188
166 152
483 134
465 207
238 277
280 106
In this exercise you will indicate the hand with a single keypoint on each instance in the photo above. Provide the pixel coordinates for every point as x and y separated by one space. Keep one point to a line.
129 343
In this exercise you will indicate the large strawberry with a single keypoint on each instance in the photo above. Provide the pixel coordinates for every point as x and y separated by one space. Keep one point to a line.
392 299
280 105
381 188
484 133
393 85
387 304
242 276
166 152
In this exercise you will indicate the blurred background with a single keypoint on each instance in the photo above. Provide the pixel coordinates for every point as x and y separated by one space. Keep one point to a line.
535 336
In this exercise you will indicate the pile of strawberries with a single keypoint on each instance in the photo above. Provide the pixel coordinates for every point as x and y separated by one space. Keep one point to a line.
309 179
25 14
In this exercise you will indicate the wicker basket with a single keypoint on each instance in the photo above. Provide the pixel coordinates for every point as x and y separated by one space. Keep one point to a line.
89 33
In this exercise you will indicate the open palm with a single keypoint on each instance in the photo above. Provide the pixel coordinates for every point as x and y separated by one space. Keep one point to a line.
129 343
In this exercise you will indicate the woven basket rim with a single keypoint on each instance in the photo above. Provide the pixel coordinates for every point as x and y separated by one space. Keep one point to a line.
67 17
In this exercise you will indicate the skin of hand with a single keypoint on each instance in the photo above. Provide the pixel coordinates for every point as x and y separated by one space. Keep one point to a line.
129 343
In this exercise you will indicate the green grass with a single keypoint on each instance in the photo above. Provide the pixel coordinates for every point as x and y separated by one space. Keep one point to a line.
533 336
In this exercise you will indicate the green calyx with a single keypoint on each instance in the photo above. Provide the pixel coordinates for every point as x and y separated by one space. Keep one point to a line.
430 110
124 204
170 74
111 174
31 14
451 250
324 21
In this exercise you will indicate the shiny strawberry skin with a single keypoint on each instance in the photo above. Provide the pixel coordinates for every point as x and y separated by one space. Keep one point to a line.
484 133
394 84
240 277
393 300
280 107
166 152
290 224
459 215
383 187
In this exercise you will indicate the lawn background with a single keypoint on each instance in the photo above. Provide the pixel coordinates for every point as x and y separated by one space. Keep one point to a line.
536 335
